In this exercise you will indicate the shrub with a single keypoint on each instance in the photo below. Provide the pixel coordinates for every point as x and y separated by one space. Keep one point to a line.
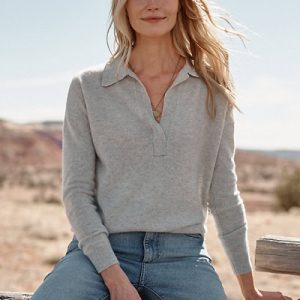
287 191
43 196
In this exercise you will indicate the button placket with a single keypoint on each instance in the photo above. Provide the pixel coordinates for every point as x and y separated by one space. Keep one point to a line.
159 137
160 130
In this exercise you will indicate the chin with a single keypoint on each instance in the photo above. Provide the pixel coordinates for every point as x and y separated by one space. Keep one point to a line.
154 33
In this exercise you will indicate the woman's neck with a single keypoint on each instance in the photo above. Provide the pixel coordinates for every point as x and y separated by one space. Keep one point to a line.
151 57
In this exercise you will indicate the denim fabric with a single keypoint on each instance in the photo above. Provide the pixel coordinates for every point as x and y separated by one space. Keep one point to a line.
160 265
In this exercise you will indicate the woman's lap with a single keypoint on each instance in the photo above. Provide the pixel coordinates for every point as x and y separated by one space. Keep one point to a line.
73 277
160 265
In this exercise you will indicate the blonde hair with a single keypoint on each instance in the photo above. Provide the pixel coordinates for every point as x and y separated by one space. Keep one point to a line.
194 38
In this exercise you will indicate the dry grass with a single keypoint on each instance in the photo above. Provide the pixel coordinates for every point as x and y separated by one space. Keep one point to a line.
36 232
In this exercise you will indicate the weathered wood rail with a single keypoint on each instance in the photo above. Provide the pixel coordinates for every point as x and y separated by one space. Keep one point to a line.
273 253
15 296
278 254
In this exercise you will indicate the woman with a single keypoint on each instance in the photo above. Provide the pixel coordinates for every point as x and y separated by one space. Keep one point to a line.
147 148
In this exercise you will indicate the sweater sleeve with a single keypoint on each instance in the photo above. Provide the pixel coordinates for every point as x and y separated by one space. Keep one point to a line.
78 181
226 203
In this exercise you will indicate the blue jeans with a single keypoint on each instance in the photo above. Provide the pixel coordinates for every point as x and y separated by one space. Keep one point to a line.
160 265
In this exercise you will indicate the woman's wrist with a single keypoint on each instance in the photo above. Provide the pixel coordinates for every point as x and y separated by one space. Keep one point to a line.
248 289
253 294
114 275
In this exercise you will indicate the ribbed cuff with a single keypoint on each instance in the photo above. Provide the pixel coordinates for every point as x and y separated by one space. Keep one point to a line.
99 251
237 248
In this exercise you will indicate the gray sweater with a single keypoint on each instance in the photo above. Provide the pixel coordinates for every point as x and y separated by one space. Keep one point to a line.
123 171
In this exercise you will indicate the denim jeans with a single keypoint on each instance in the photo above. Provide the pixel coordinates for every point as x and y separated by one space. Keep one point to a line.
160 265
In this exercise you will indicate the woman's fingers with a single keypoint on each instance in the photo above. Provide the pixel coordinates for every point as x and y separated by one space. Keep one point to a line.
274 295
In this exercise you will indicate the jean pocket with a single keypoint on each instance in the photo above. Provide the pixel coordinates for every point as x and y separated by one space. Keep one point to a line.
72 246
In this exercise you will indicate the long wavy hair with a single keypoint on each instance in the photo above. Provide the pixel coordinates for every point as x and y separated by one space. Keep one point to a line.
194 37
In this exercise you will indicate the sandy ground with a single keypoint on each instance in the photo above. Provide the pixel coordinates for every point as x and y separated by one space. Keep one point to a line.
35 234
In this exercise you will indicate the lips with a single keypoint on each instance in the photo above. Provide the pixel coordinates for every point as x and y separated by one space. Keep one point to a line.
153 18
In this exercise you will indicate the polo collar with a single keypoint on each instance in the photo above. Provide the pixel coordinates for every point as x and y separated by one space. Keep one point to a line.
110 76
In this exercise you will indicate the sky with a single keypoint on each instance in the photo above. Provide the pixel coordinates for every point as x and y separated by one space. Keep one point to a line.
44 43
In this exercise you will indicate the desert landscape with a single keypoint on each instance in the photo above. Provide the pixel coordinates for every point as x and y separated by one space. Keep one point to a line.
35 231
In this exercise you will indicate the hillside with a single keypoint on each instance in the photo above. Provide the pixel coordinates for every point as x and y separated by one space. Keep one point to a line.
34 144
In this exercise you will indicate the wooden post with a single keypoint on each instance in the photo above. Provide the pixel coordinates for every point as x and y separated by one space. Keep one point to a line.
15 296
278 254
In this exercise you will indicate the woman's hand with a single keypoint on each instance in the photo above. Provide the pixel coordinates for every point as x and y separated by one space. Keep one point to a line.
265 295
118 284
250 292
124 291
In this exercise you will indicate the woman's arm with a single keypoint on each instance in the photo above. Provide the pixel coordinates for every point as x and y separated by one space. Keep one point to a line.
246 282
78 181
229 212
226 203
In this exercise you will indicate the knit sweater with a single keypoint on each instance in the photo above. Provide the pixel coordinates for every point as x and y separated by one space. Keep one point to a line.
122 171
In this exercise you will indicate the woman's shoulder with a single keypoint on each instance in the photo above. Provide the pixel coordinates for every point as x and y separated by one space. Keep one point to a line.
103 74
90 72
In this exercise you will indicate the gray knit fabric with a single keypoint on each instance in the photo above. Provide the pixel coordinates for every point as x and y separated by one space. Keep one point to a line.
123 171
